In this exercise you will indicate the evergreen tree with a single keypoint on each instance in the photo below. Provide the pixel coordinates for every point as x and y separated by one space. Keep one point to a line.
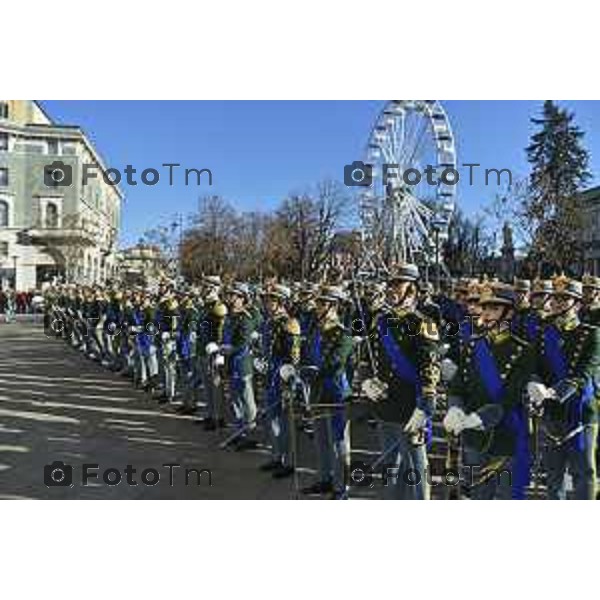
467 247
559 171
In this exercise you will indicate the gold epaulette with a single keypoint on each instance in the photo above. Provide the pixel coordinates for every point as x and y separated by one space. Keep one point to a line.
293 326
219 310
332 324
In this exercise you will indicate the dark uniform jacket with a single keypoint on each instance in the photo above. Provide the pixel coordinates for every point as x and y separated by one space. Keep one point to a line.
281 342
412 378
527 324
237 334
330 350
579 344
491 381
211 325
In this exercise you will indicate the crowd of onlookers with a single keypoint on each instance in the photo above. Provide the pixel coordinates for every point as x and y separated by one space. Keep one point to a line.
20 302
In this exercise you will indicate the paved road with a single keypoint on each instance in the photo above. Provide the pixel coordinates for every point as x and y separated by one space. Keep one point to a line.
56 405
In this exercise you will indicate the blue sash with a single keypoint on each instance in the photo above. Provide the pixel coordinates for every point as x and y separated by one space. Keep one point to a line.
142 339
554 353
466 330
488 370
402 367
336 388
515 420
532 328
236 358
315 349
274 384
184 344
560 368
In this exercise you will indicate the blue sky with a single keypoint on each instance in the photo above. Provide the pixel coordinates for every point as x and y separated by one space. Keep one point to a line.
260 151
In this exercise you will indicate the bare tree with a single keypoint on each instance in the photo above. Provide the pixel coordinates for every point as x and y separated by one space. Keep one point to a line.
207 245
294 242
166 239
310 222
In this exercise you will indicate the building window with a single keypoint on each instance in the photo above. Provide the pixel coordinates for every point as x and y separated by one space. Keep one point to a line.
51 215
3 110
3 213
3 141
3 177
52 146
3 249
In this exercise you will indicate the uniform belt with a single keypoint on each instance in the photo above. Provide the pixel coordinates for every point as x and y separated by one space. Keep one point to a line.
560 441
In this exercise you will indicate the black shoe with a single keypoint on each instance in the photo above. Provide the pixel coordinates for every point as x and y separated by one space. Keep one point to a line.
210 424
321 487
186 410
272 465
245 443
281 472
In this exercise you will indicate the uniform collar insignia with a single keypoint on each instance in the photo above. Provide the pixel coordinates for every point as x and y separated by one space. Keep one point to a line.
498 336
569 324
331 323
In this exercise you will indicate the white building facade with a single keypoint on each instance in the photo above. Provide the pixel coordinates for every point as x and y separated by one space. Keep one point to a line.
52 227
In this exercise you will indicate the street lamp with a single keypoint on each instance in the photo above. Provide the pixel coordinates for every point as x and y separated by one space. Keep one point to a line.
439 225
174 226
14 258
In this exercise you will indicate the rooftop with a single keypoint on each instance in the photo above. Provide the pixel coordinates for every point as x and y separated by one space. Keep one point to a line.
591 195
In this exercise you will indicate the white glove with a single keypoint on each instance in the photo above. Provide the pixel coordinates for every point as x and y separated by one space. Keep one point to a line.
538 393
287 372
453 418
211 348
260 365
470 421
374 389
255 336
219 360
164 336
448 370
417 421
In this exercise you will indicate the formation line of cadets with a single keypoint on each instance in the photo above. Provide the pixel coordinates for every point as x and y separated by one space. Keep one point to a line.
512 372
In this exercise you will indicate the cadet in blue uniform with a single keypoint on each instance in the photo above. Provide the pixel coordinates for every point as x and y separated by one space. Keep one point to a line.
330 348
486 401
403 391
569 365
237 337
210 338
281 346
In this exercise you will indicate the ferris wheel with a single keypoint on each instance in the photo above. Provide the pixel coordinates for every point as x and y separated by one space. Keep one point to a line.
404 218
